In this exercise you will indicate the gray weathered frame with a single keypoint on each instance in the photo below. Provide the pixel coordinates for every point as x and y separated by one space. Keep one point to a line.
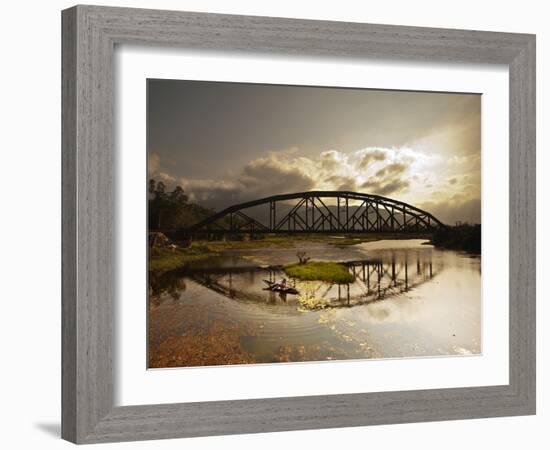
89 36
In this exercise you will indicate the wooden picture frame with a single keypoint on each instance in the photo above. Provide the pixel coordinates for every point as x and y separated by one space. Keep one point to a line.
90 34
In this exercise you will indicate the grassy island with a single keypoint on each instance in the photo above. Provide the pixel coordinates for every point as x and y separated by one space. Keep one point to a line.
319 271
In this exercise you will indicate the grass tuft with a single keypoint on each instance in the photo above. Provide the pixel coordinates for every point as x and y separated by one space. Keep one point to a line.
320 271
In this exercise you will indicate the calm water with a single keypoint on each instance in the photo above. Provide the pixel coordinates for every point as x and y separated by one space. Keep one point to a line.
408 299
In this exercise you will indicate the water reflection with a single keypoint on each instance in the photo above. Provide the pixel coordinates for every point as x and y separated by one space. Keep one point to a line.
407 299
374 280
170 284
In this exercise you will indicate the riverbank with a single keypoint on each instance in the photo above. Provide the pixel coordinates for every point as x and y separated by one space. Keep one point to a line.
165 259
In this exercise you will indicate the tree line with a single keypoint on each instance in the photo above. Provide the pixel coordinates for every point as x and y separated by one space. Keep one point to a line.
172 209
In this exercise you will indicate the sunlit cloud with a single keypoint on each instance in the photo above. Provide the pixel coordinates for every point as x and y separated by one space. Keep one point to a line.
401 173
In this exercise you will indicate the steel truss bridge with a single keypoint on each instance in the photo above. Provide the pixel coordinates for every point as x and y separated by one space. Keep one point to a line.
320 212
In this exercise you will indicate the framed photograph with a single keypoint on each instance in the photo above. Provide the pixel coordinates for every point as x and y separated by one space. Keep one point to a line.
277 224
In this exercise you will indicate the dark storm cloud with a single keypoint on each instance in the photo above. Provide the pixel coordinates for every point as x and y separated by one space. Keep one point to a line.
392 169
389 179
381 187
374 155
259 178
264 177
343 183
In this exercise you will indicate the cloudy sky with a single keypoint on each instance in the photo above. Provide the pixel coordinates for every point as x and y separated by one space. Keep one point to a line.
230 142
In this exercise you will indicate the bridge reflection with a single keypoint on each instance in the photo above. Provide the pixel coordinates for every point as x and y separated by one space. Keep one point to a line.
375 280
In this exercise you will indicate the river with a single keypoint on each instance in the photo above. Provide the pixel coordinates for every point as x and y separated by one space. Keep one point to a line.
408 300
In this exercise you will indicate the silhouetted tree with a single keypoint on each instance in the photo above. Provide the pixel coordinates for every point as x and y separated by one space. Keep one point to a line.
164 207
171 209
178 196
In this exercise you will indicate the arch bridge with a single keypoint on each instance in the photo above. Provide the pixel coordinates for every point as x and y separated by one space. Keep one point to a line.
319 212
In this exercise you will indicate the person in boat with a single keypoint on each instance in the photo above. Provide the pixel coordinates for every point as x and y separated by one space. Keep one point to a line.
280 285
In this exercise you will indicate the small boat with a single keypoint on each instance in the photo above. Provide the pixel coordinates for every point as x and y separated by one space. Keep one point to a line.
275 287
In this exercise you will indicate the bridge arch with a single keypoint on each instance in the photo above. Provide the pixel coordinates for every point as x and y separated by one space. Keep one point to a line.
320 212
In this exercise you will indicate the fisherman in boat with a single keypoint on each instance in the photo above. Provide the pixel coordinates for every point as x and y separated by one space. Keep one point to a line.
281 285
